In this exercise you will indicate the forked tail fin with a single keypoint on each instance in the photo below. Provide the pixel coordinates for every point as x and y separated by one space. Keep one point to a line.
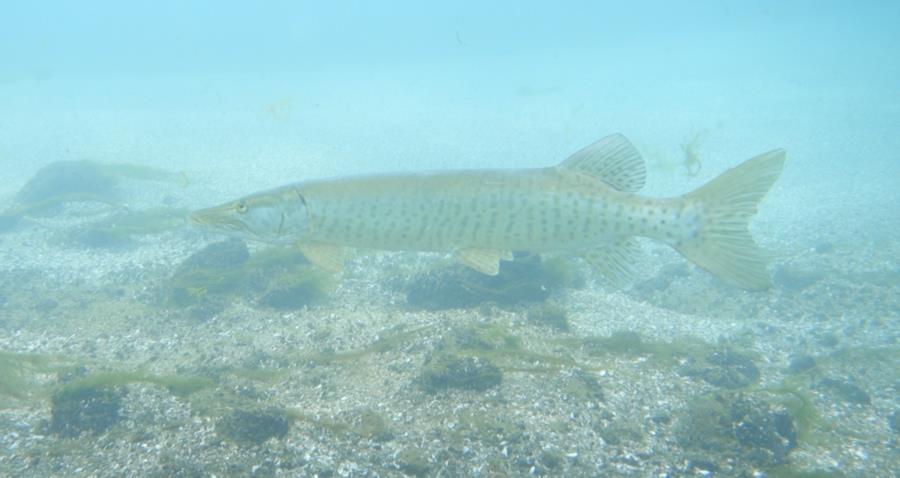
723 244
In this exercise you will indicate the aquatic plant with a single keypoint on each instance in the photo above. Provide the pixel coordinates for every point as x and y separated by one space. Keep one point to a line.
18 372
690 149
551 315
90 409
64 182
119 229
447 371
281 276
179 385
526 279
735 426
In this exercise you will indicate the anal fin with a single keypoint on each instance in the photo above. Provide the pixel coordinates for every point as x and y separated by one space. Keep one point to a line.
615 261
326 256
486 261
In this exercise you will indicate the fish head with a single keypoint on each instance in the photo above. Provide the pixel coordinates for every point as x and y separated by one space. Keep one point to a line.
276 217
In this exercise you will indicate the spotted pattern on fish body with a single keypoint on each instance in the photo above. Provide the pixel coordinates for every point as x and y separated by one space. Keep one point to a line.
584 206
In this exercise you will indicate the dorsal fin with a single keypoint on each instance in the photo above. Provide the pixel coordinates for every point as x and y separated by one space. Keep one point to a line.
612 159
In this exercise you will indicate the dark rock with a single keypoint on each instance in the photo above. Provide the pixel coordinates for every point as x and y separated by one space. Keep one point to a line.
551 315
220 255
793 280
730 427
827 339
67 179
800 364
291 297
583 386
252 427
8 220
894 421
374 426
846 391
824 247
99 238
46 305
524 280
88 409
726 369
444 371
413 462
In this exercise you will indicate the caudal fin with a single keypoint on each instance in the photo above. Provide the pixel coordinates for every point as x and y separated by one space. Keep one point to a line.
723 244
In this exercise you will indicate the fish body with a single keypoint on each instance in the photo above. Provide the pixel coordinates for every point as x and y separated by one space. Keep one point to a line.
585 206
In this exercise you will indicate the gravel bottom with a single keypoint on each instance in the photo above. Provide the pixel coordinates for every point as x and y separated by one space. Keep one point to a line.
338 388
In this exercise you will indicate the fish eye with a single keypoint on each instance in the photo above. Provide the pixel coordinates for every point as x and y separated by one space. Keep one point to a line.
241 207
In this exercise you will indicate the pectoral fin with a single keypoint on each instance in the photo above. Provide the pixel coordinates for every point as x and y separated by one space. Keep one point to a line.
615 261
326 256
486 261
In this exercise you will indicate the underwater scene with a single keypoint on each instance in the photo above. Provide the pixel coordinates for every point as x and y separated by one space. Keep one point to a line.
440 239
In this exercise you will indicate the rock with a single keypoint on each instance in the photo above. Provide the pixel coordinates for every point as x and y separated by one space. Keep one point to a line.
727 369
550 315
220 255
99 238
846 391
584 387
730 426
252 427
800 364
894 421
824 247
793 280
525 280
445 371
67 179
413 462
86 409
292 294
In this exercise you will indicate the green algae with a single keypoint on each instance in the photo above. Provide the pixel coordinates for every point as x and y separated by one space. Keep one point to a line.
120 228
527 279
19 371
551 315
179 385
629 343
281 276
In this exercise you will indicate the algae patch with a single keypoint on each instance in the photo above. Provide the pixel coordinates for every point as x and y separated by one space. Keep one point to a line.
278 278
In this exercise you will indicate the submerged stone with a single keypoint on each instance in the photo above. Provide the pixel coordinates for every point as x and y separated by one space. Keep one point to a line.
736 428
794 280
726 369
846 391
527 279
551 315
894 421
413 462
220 255
67 178
89 409
252 427
801 363
445 371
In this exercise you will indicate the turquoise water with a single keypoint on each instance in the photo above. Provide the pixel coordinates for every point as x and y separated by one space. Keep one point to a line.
208 101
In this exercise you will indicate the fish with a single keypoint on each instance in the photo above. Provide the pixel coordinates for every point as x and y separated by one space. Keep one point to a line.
585 206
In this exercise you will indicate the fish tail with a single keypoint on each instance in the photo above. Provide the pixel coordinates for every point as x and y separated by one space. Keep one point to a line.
722 243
